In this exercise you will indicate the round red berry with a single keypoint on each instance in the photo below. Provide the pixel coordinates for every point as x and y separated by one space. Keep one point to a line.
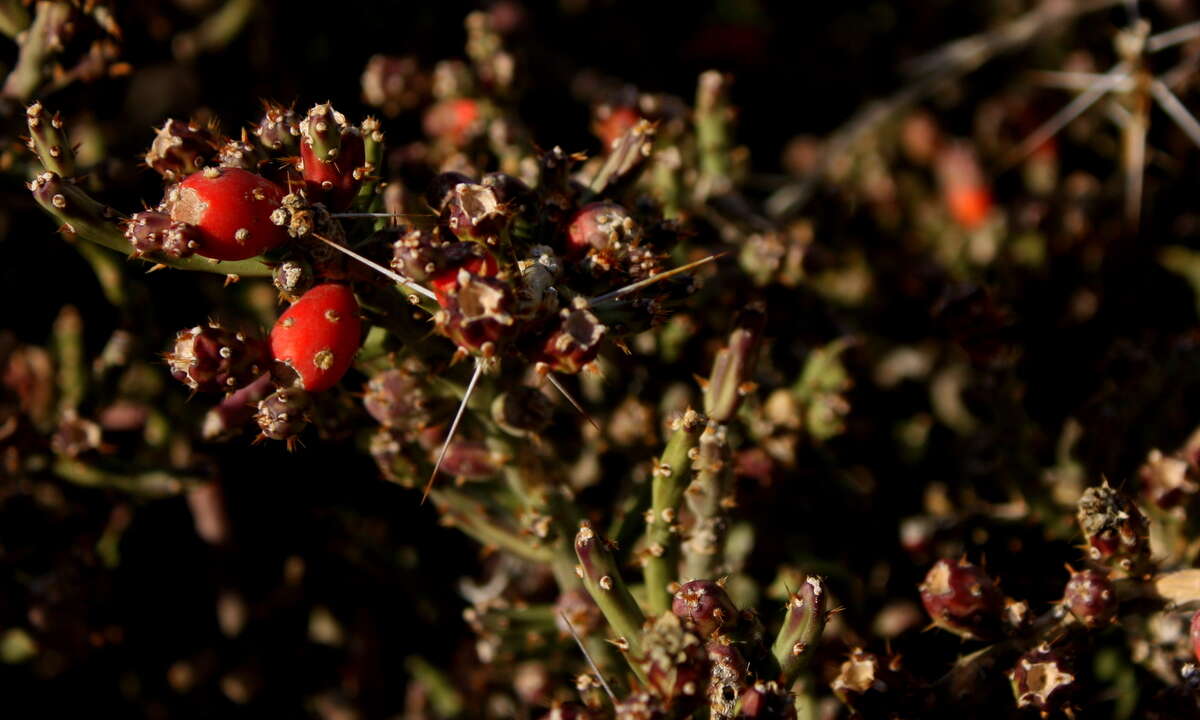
318 336
232 209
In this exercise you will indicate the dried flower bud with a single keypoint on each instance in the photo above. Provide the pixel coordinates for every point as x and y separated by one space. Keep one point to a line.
441 188
1042 679
209 358
572 343
1091 598
1115 528
868 684
961 598
180 149
675 662
1168 481
473 212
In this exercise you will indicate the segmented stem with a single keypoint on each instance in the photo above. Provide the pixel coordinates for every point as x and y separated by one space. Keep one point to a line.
667 486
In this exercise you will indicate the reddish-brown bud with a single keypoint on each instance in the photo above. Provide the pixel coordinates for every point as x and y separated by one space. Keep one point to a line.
181 148
150 232
210 358
1091 598
282 415
706 604
961 598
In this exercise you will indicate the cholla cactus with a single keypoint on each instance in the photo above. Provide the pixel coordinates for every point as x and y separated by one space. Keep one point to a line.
699 487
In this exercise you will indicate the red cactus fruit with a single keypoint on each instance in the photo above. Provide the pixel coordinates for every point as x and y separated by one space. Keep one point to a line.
961 598
318 336
232 210
706 604
334 181
965 190
1091 598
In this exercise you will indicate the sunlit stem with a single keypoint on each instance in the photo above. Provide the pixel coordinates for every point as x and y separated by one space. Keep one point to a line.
462 408
397 277
619 292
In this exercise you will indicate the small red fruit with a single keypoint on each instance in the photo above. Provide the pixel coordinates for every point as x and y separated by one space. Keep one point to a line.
232 210
318 336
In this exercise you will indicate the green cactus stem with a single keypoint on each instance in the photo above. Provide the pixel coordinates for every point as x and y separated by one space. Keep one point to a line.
713 119
83 217
69 357
667 486
49 142
598 570
708 497
218 29
733 366
147 483
372 134
625 158
802 627
41 42
14 18
471 517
